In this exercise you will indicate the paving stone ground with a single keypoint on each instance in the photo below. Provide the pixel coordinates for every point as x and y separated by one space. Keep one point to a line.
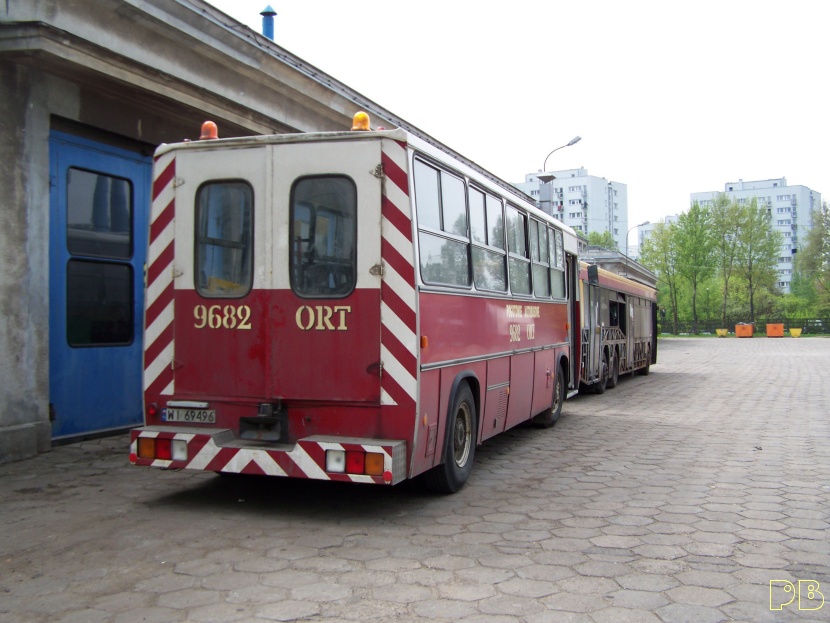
674 498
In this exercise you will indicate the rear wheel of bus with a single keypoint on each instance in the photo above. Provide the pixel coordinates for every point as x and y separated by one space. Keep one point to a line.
548 418
599 386
459 445
614 374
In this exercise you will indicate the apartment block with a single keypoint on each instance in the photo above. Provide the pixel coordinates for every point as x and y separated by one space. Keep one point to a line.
790 209
585 202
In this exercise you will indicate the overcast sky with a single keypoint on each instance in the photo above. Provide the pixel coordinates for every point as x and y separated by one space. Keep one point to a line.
669 98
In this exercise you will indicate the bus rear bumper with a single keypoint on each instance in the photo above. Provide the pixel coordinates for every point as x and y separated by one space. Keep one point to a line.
319 457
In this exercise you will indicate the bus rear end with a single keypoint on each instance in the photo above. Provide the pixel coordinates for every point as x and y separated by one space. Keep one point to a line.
267 340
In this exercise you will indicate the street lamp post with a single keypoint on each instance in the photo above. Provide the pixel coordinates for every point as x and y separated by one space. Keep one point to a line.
573 141
626 244
546 178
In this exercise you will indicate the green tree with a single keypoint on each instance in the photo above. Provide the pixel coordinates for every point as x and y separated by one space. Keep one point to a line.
694 242
813 259
726 222
602 239
659 254
758 248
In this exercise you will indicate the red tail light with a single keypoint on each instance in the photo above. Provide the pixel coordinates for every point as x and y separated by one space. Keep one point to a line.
164 449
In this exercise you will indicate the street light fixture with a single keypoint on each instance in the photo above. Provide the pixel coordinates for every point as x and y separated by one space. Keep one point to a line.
545 177
626 244
573 141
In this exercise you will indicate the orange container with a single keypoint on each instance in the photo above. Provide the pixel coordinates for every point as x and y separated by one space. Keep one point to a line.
743 330
775 329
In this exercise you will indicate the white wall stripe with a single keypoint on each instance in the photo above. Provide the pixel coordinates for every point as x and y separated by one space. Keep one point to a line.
163 200
398 328
155 290
401 376
400 242
306 463
153 369
204 457
395 152
161 242
386 400
398 198
164 320
399 286
265 461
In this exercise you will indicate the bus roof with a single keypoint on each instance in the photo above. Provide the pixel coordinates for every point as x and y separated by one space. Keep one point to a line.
431 148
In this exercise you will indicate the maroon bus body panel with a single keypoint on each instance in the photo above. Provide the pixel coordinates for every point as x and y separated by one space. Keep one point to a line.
288 348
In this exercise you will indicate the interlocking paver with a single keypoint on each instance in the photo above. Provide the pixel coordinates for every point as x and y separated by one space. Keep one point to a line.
674 497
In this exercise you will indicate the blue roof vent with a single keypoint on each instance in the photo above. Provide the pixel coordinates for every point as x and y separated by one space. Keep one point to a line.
268 22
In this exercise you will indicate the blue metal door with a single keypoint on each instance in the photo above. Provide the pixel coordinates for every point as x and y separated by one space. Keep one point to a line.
100 199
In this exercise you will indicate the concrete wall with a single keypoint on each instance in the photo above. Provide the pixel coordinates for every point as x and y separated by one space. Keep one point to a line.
24 420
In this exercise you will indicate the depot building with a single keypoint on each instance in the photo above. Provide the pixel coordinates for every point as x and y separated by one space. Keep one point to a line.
89 90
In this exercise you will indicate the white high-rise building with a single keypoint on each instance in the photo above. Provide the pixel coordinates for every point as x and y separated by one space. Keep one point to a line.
645 230
585 202
790 209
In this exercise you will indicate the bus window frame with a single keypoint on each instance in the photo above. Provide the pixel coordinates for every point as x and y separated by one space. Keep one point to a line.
486 246
442 233
513 256
198 239
314 210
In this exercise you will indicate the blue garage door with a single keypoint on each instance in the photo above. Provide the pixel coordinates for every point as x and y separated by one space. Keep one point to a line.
100 198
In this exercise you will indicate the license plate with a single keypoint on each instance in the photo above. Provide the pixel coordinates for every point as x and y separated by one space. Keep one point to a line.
198 416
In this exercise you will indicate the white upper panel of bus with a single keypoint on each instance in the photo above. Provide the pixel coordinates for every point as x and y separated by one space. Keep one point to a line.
480 176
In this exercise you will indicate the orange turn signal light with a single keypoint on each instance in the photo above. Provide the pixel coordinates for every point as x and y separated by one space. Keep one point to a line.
374 464
146 448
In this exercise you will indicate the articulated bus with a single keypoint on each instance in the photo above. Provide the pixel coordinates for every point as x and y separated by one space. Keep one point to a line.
618 332
353 306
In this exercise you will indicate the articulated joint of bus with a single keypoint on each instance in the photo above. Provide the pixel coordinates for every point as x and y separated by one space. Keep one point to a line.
317 457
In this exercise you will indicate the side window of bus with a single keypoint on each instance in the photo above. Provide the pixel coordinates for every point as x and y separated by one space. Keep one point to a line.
440 200
487 232
224 239
557 265
323 231
518 256
540 256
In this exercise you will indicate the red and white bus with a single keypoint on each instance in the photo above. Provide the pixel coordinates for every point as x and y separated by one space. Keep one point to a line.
618 318
355 306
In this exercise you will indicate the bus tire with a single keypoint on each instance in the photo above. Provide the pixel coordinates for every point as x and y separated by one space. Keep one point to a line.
548 417
614 375
599 386
459 445
645 369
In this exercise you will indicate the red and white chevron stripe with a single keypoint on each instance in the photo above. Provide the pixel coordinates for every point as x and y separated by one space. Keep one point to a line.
158 317
307 459
399 341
